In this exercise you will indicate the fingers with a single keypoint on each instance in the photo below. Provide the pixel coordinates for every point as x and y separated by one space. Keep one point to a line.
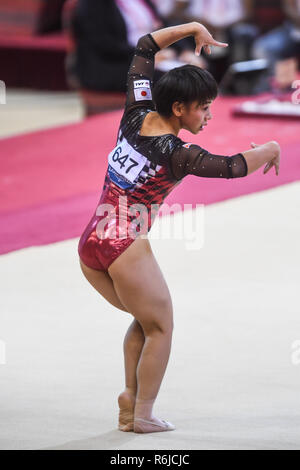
213 42
204 39
268 167
207 49
207 43
199 45
269 164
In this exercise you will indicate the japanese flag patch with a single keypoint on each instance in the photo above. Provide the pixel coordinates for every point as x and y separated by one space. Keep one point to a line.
142 94
142 90
187 146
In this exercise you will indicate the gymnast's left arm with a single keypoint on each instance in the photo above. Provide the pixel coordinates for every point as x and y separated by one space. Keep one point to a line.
141 71
140 74
191 159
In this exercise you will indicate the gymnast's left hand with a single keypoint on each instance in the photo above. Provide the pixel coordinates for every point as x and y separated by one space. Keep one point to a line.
204 39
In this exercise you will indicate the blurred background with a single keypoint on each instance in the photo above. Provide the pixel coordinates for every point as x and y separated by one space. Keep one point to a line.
85 47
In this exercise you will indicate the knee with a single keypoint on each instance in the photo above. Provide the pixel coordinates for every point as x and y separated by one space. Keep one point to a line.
158 328
159 321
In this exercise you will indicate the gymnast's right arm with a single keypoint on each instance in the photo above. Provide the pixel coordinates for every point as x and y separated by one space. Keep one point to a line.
191 159
259 155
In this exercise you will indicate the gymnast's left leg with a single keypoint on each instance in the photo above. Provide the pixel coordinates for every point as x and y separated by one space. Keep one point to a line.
132 347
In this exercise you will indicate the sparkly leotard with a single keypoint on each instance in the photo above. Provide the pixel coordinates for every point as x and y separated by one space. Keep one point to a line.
143 170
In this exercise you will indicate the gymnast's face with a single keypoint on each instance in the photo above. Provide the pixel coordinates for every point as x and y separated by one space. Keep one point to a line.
193 116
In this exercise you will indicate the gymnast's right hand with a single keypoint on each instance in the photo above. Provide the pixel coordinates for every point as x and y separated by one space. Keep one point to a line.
275 161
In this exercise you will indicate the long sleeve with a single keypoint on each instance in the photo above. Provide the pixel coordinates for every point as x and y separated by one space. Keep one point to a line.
140 74
191 159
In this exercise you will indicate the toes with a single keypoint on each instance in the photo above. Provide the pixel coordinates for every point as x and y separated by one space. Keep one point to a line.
145 426
169 425
126 427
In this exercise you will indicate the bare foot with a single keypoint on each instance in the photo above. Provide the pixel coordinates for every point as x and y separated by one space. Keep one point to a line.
126 414
153 424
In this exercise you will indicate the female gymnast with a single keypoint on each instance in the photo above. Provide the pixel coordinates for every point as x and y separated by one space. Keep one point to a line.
149 160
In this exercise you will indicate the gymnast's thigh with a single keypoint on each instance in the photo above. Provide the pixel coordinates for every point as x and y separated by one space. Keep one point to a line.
141 286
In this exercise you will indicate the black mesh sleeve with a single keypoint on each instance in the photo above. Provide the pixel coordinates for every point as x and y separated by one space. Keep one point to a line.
140 74
191 159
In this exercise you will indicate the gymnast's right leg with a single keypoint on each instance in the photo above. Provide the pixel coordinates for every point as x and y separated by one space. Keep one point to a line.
142 289
103 284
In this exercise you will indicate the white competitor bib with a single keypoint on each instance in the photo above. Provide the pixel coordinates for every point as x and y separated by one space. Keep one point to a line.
125 164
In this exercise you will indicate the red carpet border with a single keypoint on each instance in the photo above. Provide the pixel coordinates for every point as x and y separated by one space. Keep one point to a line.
50 180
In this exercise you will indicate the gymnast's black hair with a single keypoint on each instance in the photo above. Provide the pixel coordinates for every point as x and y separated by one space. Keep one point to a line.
184 84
